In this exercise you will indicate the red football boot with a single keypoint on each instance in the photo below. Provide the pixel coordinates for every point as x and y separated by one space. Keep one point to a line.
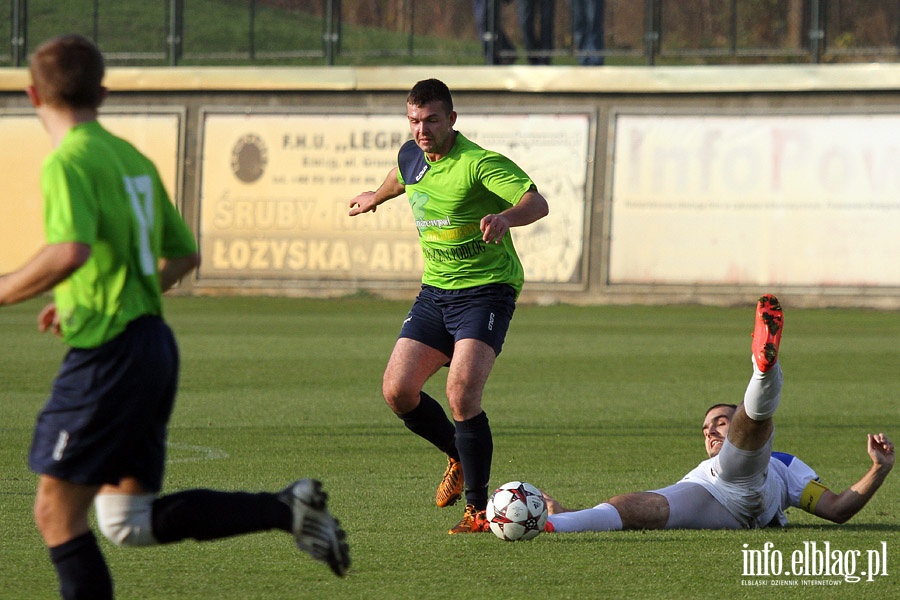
767 332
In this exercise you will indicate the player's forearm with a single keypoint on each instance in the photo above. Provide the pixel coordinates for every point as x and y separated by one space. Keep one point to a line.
853 499
390 188
530 208
51 265
871 481
171 270
370 201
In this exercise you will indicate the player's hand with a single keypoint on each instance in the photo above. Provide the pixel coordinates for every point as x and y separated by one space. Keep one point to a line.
494 227
881 449
48 319
363 203
553 505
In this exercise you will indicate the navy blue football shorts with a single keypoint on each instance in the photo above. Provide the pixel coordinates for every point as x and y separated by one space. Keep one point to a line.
439 318
109 409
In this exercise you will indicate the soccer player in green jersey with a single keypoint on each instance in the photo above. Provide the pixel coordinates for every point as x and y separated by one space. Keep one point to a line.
464 200
114 243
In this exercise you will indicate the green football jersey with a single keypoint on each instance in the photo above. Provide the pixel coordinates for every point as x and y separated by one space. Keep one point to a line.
449 198
101 191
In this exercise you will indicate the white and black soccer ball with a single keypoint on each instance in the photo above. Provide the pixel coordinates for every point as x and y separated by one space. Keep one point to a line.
516 511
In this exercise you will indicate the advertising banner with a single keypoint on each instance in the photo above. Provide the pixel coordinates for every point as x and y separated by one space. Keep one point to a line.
25 146
743 199
276 190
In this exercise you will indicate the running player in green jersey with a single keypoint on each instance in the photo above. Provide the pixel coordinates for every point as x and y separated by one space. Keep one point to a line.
464 200
114 243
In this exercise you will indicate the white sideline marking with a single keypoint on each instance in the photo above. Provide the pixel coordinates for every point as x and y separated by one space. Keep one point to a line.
203 453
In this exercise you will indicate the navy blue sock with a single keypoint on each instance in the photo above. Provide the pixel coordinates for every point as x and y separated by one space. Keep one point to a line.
476 449
209 515
81 569
429 421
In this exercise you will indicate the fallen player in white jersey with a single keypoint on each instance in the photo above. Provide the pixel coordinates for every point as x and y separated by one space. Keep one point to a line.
743 484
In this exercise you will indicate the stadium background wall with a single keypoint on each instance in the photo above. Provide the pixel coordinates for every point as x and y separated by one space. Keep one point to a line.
666 184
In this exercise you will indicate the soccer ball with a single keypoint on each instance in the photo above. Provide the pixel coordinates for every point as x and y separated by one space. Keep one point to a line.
516 511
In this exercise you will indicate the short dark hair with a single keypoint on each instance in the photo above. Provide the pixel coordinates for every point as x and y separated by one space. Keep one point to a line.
430 90
721 405
68 70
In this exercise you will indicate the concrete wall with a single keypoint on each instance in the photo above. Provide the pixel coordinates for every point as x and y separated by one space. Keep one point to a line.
683 184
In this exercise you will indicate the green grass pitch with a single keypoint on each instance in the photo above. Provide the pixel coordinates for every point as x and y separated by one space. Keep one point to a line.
585 402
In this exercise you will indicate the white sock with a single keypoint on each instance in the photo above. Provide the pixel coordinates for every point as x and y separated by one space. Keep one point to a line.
763 392
603 517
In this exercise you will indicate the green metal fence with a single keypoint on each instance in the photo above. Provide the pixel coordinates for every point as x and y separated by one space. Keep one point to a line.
379 32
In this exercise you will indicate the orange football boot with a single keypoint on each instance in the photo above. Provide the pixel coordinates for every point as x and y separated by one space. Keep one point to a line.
451 486
473 521
767 331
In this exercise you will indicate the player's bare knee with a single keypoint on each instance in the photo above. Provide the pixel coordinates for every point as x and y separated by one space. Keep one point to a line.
641 510
54 520
42 514
390 393
399 407
124 519
399 400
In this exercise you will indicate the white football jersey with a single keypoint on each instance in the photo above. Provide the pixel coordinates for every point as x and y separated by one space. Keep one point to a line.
757 501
